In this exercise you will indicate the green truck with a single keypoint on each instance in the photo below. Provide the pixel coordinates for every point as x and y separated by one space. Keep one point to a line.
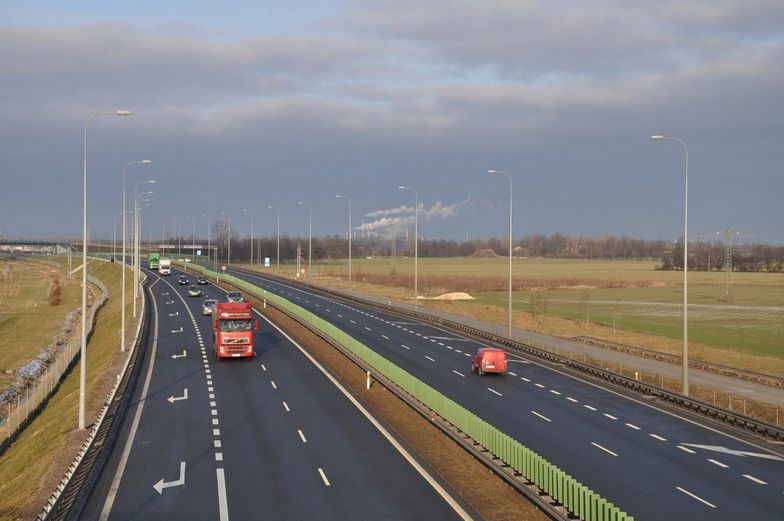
154 260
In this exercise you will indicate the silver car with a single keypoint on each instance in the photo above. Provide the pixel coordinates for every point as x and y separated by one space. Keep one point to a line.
206 306
234 296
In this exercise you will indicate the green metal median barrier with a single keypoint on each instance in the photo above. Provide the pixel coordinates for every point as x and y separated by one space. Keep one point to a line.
563 488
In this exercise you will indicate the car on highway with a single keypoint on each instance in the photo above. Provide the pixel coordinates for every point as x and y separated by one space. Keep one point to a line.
488 360
182 280
234 296
201 279
194 291
206 306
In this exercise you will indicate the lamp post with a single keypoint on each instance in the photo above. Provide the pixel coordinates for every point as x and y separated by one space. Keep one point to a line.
659 137
209 242
114 236
340 196
83 352
193 234
310 235
416 240
509 327
277 218
135 253
228 239
251 235
124 236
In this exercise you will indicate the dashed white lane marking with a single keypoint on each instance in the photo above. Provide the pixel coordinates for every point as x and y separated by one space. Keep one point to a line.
656 436
719 463
405 346
302 436
352 321
545 418
368 328
589 407
273 384
458 373
431 359
698 498
466 354
555 392
216 432
339 315
263 367
755 480
218 456
212 404
632 426
323 476
523 378
384 336
214 412
571 399
539 385
286 406
510 372
217 444
684 449
215 421
608 451
610 416
494 391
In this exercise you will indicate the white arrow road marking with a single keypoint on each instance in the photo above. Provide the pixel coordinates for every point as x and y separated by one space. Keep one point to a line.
170 302
743 454
178 330
183 355
173 399
180 482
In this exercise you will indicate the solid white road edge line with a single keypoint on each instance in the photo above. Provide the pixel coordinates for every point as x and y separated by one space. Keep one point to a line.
608 451
107 506
223 503
403 452
545 418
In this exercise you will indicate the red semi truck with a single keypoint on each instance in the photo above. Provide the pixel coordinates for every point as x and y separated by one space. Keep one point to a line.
232 329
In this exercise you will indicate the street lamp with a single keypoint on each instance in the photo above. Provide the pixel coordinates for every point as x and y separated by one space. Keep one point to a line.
659 137
251 235
83 353
228 239
416 240
135 252
310 235
349 234
209 238
277 217
509 328
193 235
124 234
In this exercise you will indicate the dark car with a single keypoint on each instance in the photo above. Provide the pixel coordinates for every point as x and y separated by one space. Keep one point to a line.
194 291
201 279
182 280
234 296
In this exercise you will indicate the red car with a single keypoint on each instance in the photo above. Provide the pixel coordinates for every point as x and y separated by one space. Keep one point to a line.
488 360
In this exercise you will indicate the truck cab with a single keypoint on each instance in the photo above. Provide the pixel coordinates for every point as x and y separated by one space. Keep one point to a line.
233 326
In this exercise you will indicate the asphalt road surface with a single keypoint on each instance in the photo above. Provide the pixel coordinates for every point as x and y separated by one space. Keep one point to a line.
269 438
651 463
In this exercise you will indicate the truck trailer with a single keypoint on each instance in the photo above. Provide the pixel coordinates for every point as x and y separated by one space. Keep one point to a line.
153 259
233 326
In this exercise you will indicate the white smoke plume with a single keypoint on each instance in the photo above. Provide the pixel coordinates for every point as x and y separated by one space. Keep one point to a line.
403 216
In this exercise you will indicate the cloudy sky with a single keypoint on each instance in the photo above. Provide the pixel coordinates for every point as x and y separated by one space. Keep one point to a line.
251 104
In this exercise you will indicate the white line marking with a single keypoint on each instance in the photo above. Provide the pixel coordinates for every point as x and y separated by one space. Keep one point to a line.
539 385
572 399
352 321
608 451
545 418
302 436
523 378
466 354
215 421
384 336
698 498
368 328
510 372
216 444
555 392
263 367
684 449
404 346
177 483
212 404
632 426
323 477
458 373
610 416
756 480
589 407
449 347
214 412
719 463
657 437
273 384
216 432
211 396
431 359
494 391
218 456
286 406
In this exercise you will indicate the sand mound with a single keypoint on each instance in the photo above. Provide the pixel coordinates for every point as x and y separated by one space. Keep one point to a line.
459 295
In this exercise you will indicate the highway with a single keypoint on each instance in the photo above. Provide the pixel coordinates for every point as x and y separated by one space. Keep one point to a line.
650 462
273 437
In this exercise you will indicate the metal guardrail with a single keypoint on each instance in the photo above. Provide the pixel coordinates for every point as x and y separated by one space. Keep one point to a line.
69 497
725 370
741 421
572 495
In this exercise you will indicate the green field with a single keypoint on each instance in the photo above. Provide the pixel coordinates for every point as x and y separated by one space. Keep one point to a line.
644 303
